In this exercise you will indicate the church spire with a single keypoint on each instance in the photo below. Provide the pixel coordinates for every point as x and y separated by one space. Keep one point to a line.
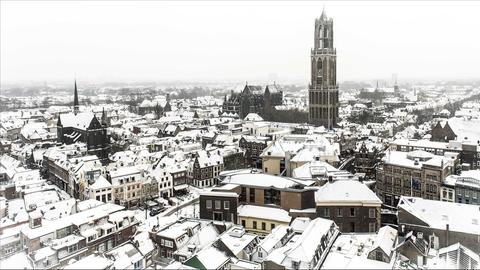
75 99
104 117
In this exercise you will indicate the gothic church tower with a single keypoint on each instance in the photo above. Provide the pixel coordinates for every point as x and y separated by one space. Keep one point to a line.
323 89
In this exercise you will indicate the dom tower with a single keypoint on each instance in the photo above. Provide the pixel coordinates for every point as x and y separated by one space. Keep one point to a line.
323 90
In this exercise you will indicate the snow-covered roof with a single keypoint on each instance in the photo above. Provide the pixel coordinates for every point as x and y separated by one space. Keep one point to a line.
346 191
212 258
253 117
260 180
100 183
313 169
302 249
264 212
92 261
79 120
236 239
299 224
218 193
386 240
437 214
274 237
409 159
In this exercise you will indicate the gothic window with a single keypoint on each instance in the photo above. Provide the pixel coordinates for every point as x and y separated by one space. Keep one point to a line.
319 67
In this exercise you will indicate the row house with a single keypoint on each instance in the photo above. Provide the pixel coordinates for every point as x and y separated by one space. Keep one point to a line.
51 244
127 185
56 166
307 250
351 204
469 153
367 156
164 180
205 168
462 188
253 146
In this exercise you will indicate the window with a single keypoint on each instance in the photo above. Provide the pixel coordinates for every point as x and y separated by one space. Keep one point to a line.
73 248
260 254
264 226
218 216
272 226
101 247
352 212
371 213
226 205
209 204
137 265
339 212
326 212
243 195
255 225
371 227
169 243
218 204
243 223
252 195
266 169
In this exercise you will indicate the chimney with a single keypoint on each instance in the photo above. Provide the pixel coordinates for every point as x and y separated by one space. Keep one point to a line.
447 234
76 209
35 219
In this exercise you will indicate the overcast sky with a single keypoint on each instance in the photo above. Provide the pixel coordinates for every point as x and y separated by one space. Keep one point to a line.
164 41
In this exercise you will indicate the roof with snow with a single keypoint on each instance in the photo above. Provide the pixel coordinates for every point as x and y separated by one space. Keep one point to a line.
79 120
437 214
346 191
264 212
261 180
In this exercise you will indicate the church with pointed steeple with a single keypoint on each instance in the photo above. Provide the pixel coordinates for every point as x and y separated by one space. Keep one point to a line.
323 89
84 127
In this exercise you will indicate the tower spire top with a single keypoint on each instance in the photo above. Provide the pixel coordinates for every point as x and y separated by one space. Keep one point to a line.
75 99
324 14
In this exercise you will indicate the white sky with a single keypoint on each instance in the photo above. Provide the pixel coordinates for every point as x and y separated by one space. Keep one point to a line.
243 41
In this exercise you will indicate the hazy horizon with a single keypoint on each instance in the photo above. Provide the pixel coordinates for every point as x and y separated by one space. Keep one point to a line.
197 41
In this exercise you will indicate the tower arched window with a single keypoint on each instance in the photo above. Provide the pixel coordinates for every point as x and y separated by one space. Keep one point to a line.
319 71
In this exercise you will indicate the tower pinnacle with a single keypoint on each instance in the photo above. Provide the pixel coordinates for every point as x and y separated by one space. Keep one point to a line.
75 99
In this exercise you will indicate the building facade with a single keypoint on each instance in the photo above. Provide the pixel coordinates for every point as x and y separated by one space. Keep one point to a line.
220 206
417 173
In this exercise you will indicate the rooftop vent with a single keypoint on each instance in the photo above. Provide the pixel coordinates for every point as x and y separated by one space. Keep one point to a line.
237 232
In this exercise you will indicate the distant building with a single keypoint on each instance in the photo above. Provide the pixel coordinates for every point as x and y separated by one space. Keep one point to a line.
367 156
323 89
252 100
254 146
